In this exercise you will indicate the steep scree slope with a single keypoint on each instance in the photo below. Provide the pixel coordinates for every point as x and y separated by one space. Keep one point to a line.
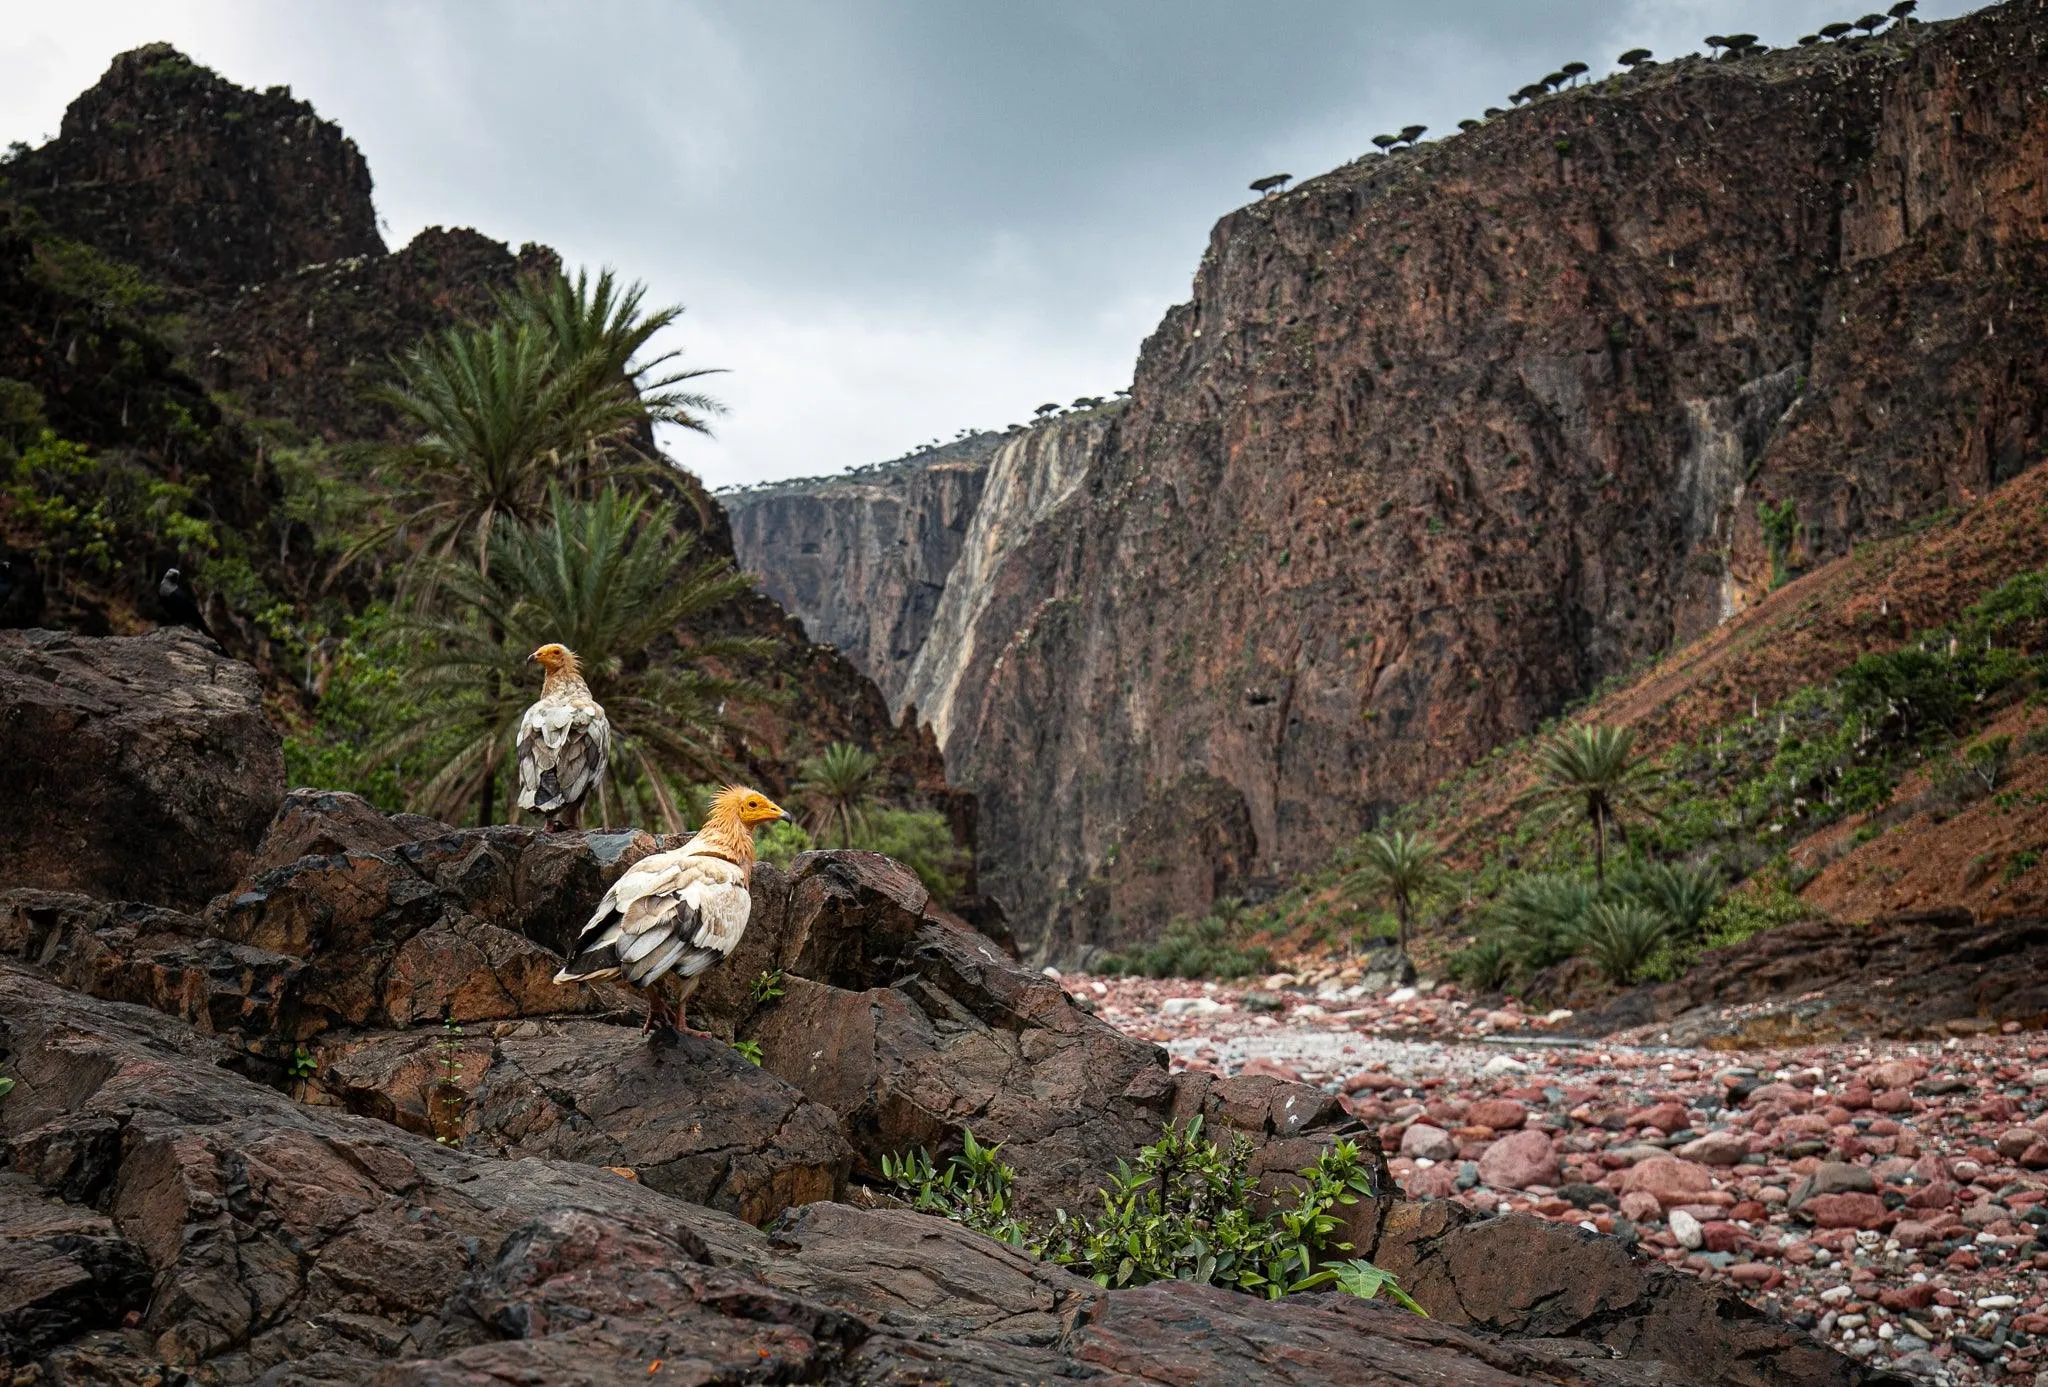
1445 437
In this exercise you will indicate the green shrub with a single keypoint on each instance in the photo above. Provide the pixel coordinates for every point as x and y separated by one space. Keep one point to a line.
1205 948
1621 937
780 843
1539 915
921 840
1682 894
1187 1211
1485 965
1742 914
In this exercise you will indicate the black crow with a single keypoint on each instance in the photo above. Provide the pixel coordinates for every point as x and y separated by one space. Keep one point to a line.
180 606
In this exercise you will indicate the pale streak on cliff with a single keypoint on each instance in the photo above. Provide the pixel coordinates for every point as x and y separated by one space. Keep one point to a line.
861 559
1027 480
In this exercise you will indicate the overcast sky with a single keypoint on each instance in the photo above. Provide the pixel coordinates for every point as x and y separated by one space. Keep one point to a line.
888 221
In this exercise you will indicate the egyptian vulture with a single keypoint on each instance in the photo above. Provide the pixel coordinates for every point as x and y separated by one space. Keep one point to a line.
679 911
564 742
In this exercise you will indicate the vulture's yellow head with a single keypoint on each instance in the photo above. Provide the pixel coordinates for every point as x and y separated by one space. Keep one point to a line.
557 659
749 807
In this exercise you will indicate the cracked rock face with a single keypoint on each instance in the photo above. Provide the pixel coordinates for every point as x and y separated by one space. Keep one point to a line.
165 1215
1445 438
142 768
339 1126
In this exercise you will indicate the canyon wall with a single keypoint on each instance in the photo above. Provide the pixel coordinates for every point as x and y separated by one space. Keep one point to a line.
1445 437
861 558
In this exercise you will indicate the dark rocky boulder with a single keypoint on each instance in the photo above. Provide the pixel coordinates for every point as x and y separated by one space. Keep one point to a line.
141 768
915 1029
1527 1278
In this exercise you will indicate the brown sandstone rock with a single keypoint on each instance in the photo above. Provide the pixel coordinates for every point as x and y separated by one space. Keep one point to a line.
1671 1180
1519 1160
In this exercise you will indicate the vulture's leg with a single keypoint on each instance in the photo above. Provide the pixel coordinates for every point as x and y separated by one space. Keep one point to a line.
658 1013
683 1009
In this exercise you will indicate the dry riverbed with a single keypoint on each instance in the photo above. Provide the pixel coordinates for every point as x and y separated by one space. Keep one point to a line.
1893 1197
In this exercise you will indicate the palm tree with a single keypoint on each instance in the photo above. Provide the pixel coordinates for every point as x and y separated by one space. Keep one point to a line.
1593 771
1400 867
600 330
548 392
613 578
1621 937
839 786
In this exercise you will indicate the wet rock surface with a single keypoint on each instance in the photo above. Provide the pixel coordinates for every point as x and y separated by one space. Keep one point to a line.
143 767
161 1214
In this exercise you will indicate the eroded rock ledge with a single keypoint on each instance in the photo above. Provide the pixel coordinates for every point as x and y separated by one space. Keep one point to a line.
338 1125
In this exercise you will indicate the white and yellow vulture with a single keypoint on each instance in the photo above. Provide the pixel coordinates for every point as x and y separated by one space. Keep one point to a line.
679 911
564 742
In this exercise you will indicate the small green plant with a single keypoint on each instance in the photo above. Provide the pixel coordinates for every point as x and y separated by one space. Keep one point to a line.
1361 1278
449 1099
302 1064
1620 938
1188 1210
974 1189
748 1050
1205 948
6 1087
1781 526
768 987
1485 965
2019 864
1988 761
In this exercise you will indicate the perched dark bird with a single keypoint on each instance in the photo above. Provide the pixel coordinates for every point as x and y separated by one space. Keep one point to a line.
180 606
21 591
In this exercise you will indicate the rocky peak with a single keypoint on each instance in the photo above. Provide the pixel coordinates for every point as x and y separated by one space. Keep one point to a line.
201 183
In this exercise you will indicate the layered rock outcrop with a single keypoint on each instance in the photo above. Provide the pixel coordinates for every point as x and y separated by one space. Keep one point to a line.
168 166
340 1126
140 768
1445 437
861 559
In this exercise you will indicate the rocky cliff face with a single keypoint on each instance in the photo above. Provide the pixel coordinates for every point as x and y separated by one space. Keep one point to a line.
1028 479
201 183
1446 437
861 559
